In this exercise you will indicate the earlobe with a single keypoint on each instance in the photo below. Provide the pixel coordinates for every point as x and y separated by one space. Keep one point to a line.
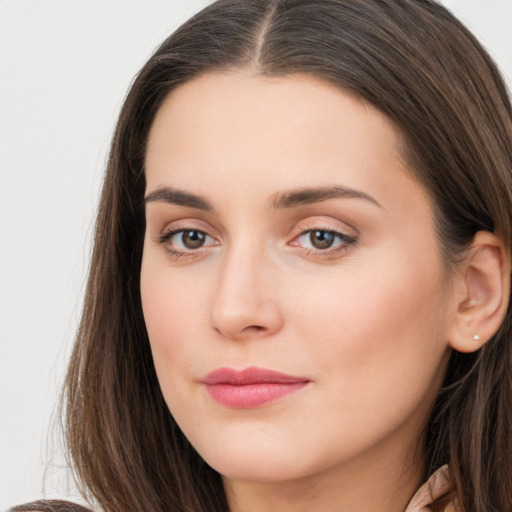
482 288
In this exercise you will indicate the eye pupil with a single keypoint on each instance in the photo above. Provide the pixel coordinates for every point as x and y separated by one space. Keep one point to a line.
321 239
193 239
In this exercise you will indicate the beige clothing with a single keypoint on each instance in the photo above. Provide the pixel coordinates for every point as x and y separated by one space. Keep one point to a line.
436 486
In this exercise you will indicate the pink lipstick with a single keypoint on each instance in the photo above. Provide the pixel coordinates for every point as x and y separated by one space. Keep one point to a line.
249 388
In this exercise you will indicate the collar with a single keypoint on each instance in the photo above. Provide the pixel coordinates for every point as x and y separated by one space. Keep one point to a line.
435 487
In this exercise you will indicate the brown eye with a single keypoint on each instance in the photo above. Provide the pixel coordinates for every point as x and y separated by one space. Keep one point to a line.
324 243
193 239
321 239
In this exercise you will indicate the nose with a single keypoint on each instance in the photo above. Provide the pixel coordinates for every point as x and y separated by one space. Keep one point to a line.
245 302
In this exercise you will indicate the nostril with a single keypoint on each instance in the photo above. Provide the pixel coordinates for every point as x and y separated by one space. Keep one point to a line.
254 328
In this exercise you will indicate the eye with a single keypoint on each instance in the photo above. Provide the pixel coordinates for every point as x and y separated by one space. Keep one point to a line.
192 239
185 240
323 241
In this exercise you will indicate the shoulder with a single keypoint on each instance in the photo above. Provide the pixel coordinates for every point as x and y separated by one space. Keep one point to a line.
49 506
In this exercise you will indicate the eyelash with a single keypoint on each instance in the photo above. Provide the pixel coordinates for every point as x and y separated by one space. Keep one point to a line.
165 238
346 242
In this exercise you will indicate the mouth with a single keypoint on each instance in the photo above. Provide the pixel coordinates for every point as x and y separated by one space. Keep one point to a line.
251 387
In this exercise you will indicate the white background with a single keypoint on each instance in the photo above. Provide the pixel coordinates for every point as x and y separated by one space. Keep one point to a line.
65 67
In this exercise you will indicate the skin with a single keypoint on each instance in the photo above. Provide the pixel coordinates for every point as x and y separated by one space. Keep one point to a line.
366 321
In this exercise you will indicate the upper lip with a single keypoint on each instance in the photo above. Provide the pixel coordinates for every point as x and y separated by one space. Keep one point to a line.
251 375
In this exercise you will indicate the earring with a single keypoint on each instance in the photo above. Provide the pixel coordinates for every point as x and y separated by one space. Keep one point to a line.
476 337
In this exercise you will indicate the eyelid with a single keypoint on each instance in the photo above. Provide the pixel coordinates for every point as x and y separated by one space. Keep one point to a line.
325 224
185 224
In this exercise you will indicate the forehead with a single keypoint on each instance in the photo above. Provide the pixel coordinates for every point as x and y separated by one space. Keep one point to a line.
238 119
250 135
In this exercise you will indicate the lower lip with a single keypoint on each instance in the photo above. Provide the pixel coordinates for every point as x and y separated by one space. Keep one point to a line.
249 396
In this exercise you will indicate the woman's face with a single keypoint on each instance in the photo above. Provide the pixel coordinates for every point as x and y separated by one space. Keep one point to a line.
292 284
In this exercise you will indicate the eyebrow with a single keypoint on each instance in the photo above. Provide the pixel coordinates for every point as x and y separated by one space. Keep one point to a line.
293 198
279 200
179 197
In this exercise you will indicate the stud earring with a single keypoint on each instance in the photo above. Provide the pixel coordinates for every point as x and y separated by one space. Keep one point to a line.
476 337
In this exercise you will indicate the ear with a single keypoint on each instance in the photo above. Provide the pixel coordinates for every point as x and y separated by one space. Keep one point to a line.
481 287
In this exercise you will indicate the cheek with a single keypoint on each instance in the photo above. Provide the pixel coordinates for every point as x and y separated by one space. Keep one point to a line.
358 300
376 334
173 312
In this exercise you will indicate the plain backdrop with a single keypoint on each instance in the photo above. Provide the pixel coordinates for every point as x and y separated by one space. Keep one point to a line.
65 67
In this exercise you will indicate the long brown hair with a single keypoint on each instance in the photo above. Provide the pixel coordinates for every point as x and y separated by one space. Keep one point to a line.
421 67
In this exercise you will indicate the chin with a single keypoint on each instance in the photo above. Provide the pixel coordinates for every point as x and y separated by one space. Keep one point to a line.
249 459
261 470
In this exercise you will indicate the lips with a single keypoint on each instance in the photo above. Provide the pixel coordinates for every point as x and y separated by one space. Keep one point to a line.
251 387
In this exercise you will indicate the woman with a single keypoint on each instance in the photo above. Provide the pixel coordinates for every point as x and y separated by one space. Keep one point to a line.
299 292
